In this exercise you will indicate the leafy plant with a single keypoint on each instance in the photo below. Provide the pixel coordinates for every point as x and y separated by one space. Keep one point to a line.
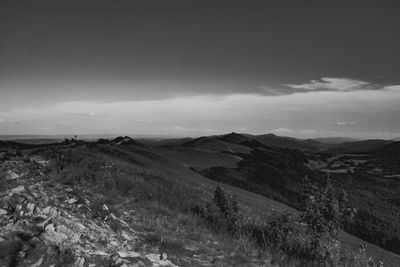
324 216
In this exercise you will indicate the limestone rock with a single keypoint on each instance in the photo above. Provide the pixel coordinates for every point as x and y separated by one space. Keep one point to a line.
3 212
130 254
163 256
12 175
80 262
72 201
17 190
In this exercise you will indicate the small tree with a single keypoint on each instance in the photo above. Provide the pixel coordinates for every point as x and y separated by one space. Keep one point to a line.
227 206
224 201
222 211
324 216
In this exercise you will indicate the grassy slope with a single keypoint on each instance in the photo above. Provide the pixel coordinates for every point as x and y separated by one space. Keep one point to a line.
150 219
153 162
171 169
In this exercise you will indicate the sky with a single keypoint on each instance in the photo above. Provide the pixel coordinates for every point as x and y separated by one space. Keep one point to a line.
191 68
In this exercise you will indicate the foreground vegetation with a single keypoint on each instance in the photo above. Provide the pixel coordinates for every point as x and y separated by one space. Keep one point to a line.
176 215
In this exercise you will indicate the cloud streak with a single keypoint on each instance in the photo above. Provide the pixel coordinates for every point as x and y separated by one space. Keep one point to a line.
317 112
9 121
324 84
89 114
333 84
343 123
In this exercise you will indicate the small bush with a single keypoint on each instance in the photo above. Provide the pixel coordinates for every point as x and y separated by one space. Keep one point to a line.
227 206
222 211
361 259
3 183
274 231
324 216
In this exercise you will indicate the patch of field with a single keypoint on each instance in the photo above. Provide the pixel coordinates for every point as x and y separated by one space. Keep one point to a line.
314 164
200 158
342 171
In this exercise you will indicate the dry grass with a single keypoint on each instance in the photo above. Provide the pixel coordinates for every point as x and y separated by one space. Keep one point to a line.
162 213
182 235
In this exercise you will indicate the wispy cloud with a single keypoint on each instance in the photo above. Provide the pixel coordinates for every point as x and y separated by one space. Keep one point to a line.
323 84
90 114
343 123
278 91
333 84
356 112
9 121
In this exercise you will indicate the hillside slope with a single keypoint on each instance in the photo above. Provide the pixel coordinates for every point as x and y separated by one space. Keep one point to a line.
148 166
358 146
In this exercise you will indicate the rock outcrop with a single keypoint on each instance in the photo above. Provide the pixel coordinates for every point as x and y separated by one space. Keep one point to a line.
44 223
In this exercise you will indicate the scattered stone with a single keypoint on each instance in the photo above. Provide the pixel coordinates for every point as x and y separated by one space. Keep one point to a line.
72 201
35 195
80 262
3 212
43 162
30 207
113 243
157 261
119 220
38 263
163 256
100 253
119 262
17 190
12 175
130 254
191 247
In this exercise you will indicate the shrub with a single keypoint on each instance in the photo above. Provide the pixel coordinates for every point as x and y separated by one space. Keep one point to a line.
272 232
324 216
314 238
222 211
227 205
3 183
361 259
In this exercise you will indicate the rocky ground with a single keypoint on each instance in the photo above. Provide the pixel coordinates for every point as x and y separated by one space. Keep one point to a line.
43 223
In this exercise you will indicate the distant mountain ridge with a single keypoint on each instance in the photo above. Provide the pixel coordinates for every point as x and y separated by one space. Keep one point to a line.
288 142
328 145
359 146
335 140
264 139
